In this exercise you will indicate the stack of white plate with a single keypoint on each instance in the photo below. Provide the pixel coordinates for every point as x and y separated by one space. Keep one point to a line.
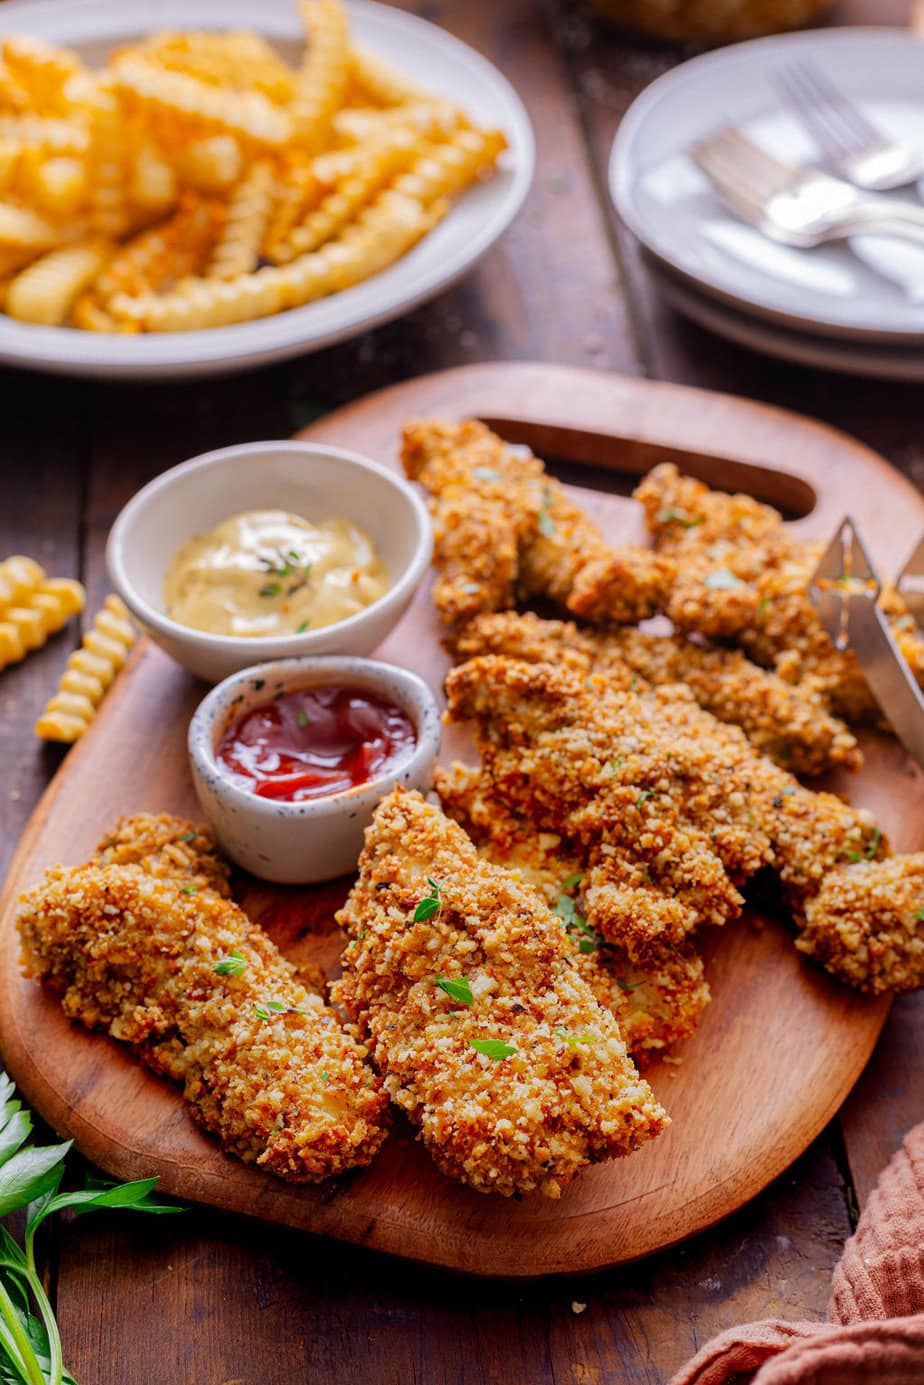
856 307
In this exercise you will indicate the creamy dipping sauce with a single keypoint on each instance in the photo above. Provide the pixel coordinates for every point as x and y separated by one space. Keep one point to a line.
268 573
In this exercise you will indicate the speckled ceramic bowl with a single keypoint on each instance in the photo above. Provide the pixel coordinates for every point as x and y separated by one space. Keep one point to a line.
301 843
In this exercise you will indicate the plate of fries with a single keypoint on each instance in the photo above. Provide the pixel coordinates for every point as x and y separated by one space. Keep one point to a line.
184 193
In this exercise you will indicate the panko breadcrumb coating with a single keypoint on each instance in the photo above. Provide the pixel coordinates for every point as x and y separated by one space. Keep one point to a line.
789 723
655 1005
504 531
866 924
166 847
556 1090
203 996
741 576
657 792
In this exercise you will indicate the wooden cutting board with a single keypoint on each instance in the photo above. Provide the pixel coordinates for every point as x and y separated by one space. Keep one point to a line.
779 1047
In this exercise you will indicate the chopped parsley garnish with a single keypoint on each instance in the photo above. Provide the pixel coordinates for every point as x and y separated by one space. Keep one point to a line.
723 580
486 473
575 924
270 1008
493 1048
671 515
628 986
562 1033
325 1078
457 988
616 764
430 904
187 837
546 523
873 846
300 629
762 604
270 589
645 794
919 916
232 965
572 882
853 857
190 889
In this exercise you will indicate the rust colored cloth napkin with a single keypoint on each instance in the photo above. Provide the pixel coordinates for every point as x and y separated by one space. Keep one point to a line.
875 1328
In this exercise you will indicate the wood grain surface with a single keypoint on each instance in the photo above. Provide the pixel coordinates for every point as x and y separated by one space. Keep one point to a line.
209 1299
778 1049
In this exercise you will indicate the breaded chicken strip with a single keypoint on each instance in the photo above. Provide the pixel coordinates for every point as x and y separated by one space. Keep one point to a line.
866 924
530 1082
203 996
655 1005
789 723
740 575
168 848
657 792
505 530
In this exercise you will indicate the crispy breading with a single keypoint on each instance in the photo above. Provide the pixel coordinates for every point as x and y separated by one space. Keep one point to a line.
789 723
265 1065
561 1092
671 805
866 924
166 847
740 575
655 1005
490 500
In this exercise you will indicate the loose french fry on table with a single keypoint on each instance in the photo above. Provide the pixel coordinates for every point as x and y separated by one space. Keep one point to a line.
90 671
39 607
199 179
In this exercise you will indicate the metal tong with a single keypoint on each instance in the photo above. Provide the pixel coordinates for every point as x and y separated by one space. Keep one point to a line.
845 591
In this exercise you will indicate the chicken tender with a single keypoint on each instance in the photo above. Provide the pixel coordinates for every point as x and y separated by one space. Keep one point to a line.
506 531
204 997
656 1005
866 924
789 723
670 805
741 576
461 980
168 848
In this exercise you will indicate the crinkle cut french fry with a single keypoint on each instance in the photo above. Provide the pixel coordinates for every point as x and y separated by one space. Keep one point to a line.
57 183
384 231
47 289
90 671
299 192
449 167
108 160
382 161
42 69
322 80
433 118
152 182
162 254
210 164
19 577
237 250
238 59
384 84
43 611
48 134
195 104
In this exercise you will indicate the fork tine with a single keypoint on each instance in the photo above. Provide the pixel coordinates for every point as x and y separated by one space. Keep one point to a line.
813 113
833 111
848 111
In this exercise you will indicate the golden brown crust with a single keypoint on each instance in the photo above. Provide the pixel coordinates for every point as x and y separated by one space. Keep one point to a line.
567 1094
135 953
166 847
789 723
866 924
655 1005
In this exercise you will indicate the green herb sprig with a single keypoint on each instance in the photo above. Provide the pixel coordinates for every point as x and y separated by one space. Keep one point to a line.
431 903
496 1049
234 964
30 1176
458 988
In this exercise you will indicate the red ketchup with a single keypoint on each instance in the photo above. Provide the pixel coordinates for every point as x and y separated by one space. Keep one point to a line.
314 743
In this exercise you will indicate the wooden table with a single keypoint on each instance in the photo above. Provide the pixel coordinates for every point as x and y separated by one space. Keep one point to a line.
207 1300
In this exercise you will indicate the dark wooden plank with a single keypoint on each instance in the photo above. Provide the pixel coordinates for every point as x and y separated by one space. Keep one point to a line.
222 1302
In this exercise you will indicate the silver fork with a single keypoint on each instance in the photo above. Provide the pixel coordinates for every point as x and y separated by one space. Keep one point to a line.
851 145
797 206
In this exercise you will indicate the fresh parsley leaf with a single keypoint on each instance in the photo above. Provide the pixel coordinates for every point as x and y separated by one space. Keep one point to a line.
430 904
190 889
457 988
575 923
572 882
271 589
645 794
493 1048
853 857
723 580
261 1012
301 628
587 945
234 964
325 1078
187 837
762 604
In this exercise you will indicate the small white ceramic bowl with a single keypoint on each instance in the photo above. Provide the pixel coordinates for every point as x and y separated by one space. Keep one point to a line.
307 479
301 843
